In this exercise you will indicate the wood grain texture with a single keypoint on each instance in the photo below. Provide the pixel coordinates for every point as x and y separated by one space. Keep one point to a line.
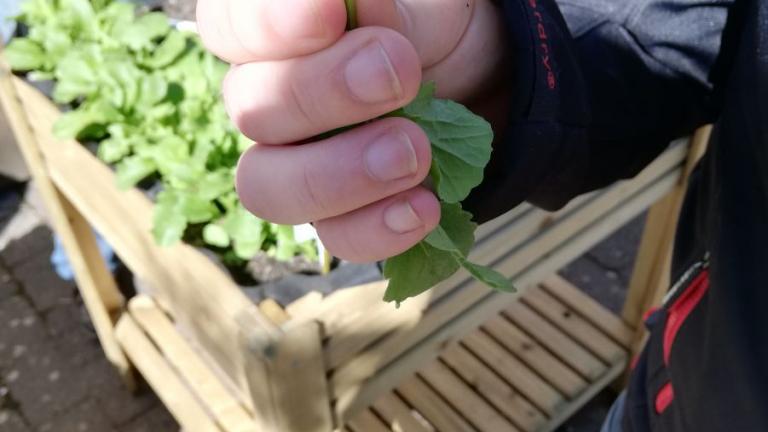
94 280
190 412
225 408
198 294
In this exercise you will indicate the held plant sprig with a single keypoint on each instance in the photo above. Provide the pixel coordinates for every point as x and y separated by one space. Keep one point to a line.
461 148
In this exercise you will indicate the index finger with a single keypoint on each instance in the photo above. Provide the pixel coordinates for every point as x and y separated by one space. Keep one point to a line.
241 31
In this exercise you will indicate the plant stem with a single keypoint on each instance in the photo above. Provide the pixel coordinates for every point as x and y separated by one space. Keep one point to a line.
351 14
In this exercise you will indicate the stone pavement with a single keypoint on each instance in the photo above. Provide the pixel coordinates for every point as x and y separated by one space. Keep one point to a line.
53 376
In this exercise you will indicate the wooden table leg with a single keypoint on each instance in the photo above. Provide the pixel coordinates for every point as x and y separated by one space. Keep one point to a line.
94 280
651 275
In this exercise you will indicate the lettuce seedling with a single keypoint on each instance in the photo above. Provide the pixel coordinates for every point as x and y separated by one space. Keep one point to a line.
461 149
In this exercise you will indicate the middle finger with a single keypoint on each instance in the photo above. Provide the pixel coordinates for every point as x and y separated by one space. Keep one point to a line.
309 182
369 72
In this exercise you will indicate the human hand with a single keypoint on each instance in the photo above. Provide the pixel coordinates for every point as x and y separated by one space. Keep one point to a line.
297 74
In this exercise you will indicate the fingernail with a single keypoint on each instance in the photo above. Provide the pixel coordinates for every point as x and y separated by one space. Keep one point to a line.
370 76
401 218
296 19
391 157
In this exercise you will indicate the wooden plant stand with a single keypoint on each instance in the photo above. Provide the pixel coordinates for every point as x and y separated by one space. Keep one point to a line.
461 357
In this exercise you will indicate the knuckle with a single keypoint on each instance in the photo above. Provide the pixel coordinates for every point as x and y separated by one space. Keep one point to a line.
301 104
342 243
310 193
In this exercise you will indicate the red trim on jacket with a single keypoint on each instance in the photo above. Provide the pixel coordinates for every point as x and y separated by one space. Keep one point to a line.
664 398
681 308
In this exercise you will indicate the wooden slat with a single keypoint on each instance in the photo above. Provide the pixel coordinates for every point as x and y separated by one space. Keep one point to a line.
442 416
515 372
595 313
184 281
489 247
492 225
557 342
368 362
569 410
651 274
500 394
304 305
574 325
188 411
671 158
527 220
98 289
295 382
353 395
349 340
225 408
463 399
398 415
535 356
272 310
366 421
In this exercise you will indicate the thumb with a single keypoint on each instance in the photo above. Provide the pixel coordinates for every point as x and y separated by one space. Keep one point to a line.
435 28
460 42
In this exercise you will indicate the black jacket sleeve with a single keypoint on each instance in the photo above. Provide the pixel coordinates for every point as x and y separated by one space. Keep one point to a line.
600 88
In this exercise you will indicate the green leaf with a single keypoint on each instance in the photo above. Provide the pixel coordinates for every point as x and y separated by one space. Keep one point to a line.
215 184
132 170
113 149
286 243
215 235
169 223
431 261
168 50
152 90
88 121
79 16
116 17
23 54
452 128
489 276
142 32
196 209
71 123
461 142
417 270
76 76
246 231
455 178
455 232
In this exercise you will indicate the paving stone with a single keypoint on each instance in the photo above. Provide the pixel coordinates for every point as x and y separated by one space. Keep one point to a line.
44 383
64 317
11 421
618 251
41 284
84 417
602 285
36 243
20 329
156 420
112 397
10 200
8 286
591 417
79 346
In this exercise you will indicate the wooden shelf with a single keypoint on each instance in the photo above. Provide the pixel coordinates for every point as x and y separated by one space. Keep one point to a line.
526 369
